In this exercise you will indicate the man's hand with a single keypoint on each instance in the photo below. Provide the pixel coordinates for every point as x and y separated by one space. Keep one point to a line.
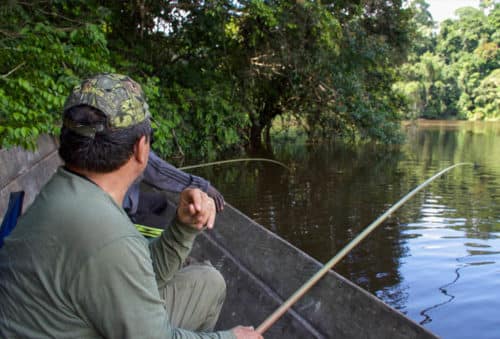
218 198
243 332
196 208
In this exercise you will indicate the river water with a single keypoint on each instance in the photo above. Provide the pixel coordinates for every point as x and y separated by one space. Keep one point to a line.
437 259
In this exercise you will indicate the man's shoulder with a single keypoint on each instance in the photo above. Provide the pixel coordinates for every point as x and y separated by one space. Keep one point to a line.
77 212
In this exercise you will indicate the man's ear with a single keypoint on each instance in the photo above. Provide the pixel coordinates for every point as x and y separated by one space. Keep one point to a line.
141 150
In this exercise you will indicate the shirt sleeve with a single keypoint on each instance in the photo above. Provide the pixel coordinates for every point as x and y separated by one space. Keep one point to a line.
163 175
131 199
116 293
170 250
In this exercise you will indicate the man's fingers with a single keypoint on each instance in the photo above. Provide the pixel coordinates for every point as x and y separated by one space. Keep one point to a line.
192 209
211 216
197 209
206 217
217 196
197 199
246 332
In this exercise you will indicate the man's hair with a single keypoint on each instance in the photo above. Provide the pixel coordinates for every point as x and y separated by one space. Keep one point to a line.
108 150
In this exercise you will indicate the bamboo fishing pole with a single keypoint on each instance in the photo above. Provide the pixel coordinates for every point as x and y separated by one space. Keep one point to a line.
234 160
316 277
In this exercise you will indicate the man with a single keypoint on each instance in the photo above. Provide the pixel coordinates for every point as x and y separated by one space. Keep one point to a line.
152 207
75 266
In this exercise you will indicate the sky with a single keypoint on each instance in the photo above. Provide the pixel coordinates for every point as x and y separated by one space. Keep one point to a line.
444 9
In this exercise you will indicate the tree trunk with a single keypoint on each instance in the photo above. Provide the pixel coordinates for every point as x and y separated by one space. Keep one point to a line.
267 137
261 121
255 137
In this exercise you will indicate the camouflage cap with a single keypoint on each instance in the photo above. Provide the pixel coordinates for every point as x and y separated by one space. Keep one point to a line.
119 97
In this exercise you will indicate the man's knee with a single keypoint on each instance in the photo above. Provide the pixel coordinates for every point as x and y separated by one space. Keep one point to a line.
198 290
216 280
210 277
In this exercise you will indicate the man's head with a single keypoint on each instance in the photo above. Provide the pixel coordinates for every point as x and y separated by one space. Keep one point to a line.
104 117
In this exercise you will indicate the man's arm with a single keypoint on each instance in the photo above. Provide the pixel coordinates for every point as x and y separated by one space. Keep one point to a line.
163 175
170 250
195 212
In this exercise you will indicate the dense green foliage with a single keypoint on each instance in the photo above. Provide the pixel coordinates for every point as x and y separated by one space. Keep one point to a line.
454 73
39 61
216 72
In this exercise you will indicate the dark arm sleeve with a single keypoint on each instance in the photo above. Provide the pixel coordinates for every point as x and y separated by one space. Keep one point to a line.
163 175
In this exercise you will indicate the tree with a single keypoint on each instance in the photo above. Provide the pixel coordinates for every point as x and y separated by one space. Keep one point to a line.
487 97
266 59
216 72
316 62
461 36
45 50
424 37
450 80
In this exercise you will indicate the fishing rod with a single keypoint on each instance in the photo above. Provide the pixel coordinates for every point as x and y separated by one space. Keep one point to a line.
234 160
316 277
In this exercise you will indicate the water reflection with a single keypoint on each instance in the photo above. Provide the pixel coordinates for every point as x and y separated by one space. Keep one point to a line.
437 256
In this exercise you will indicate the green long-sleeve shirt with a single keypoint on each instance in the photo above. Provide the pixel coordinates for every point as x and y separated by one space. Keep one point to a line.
75 266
